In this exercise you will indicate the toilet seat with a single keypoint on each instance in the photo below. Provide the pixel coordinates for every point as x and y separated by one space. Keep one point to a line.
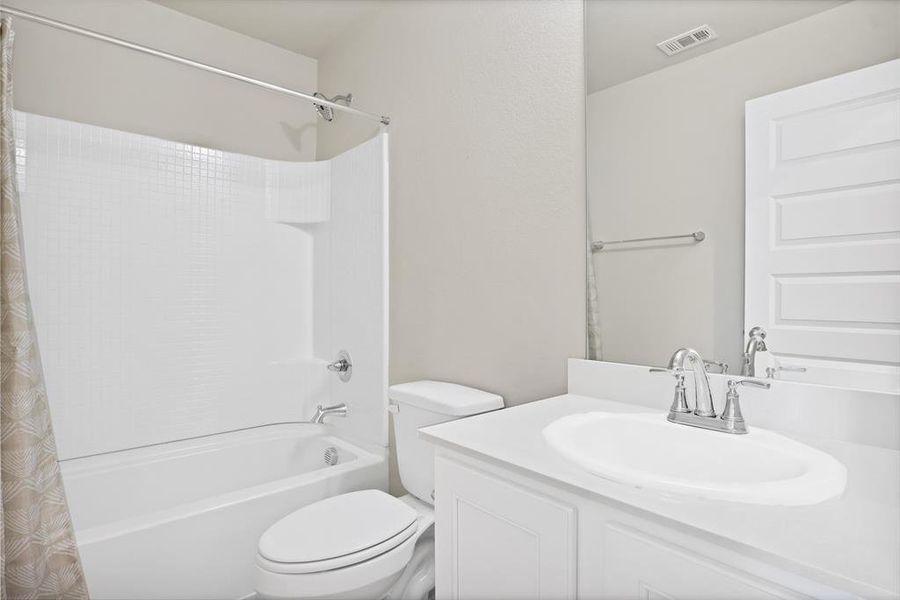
367 573
337 532
346 560
367 580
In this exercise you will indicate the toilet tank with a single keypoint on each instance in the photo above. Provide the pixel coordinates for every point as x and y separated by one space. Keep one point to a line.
420 404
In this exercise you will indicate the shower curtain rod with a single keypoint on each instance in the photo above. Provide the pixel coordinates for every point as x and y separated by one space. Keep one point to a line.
191 63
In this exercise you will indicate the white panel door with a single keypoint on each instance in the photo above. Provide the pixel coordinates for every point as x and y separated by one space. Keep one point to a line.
823 227
497 540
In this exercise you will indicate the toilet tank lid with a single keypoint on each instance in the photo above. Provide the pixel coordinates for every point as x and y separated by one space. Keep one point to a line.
445 398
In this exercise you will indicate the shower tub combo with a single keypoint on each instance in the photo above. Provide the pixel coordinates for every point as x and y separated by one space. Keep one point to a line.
182 519
180 290
176 290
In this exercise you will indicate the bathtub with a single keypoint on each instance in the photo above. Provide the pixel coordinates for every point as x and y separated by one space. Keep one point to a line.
181 520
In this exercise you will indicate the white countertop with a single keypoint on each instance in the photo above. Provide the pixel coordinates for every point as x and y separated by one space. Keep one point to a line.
851 542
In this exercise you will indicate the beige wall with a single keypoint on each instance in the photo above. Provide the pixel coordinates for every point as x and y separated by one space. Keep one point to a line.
63 75
487 185
666 155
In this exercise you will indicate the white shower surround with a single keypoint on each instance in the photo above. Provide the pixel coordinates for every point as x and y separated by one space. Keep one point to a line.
183 291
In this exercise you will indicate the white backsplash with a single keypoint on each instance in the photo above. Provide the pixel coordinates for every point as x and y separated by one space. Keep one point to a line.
858 416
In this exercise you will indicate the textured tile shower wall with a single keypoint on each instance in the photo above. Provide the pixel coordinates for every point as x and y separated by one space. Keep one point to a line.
351 287
170 301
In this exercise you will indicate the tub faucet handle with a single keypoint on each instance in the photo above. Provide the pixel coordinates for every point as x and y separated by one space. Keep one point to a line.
343 366
339 366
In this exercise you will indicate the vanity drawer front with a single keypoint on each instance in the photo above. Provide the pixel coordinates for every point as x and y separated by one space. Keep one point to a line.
495 539
642 566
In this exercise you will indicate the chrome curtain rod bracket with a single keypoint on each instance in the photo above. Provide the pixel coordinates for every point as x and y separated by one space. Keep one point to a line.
384 120
698 236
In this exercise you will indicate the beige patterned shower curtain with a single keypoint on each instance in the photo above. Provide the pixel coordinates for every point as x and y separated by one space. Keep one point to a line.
594 339
38 555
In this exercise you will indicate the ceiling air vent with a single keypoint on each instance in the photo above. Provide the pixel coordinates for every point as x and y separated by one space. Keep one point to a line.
688 39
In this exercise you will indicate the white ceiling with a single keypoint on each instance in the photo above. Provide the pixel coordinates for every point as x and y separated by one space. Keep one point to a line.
308 27
621 35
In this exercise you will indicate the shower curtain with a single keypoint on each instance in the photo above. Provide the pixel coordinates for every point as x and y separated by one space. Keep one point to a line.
38 554
594 345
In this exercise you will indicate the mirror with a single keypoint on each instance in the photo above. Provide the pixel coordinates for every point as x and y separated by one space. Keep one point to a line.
699 134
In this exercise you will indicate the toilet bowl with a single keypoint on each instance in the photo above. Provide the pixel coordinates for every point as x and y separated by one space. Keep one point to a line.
369 545
355 545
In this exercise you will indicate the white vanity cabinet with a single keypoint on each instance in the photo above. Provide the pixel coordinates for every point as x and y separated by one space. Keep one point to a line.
500 540
507 534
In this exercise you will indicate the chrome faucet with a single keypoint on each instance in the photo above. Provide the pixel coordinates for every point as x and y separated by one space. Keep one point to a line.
704 412
756 343
337 410
703 401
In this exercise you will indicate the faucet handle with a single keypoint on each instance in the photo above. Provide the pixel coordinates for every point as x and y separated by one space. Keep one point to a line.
339 366
673 372
751 382
679 401
343 366
722 366
732 416
771 371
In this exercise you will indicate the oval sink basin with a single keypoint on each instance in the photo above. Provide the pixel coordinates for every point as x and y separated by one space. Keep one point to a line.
647 451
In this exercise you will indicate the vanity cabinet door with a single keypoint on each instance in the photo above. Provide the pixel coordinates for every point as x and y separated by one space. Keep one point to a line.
642 566
495 539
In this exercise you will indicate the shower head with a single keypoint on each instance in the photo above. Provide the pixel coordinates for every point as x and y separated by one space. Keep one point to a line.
326 112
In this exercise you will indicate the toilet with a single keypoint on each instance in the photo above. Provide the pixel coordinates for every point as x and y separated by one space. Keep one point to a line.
367 544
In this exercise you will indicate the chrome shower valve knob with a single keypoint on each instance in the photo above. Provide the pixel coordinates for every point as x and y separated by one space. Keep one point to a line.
343 366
